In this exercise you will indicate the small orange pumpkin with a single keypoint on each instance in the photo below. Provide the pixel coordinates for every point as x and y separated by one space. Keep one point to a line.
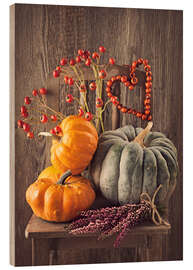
50 173
62 201
76 145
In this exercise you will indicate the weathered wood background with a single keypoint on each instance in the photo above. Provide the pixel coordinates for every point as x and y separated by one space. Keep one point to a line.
40 36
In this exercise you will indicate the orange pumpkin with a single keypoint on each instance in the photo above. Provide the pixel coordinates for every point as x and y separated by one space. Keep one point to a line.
52 173
62 201
76 145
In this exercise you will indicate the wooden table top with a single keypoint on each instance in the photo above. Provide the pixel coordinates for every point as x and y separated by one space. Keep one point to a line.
38 228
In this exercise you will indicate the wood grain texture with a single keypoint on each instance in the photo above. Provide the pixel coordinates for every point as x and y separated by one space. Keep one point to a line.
44 34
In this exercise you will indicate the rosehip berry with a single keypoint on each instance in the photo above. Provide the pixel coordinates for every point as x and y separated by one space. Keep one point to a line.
131 87
134 80
95 55
66 79
43 118
58 68
88 116
80 52
52 131
118 77
144 117
23 109
26 127
102 74
78 59
109 83
127 83
124 110
102 49
53 118
72 62
35 92
82 88
69 98
145 62
92 86
111 61
134 64
27 100
88 62
123 79
149 118
30 135
99 102
56 73
20 124
80 112
42 91
63 61
113 78
25 114
108 89
70 81
147 112
148 84
139 115
114 100
57 130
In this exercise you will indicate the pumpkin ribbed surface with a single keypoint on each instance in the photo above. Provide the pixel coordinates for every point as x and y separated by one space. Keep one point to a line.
60 203
76 146
122 169
50 173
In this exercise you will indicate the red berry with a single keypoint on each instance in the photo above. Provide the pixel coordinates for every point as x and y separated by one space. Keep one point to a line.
147 107
144 117
102 74
82 88
20 123
58 130
130 111
52 131
134 64
147 112
134 80
53 118
35 92
147 68
26 127
148 90
145 62
140 61
108 89
118 77
23 109
72 62
70 81
66 79
27 100
147 101
99 102
139 115
88 116
92 86
56 73
127 84
102 49
148 84
80 52
123 79
30 135
111 61
109 83
63 61
78 59
69 98
149 78
149 118
95 55
43 118
131 87
124 109
88 62
114 100
25 114
58 68
42 91
80 112
109 94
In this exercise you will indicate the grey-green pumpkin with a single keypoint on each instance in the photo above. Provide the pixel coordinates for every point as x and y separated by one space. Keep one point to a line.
129 161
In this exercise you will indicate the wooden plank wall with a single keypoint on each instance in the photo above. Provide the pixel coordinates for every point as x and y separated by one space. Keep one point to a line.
43 35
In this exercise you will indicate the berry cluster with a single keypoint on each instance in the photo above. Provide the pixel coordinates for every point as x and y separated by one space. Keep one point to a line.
111 220
35 111
91 60
130 83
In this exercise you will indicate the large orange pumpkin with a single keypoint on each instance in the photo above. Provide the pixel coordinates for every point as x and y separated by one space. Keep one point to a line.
62 201
76 145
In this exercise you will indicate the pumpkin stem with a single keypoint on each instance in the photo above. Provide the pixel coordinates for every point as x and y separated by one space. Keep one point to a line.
140 137
62 179
47 134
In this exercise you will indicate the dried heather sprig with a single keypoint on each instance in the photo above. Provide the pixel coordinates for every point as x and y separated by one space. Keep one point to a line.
110 220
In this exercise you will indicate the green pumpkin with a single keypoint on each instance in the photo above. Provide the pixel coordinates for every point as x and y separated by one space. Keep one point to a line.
129 161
